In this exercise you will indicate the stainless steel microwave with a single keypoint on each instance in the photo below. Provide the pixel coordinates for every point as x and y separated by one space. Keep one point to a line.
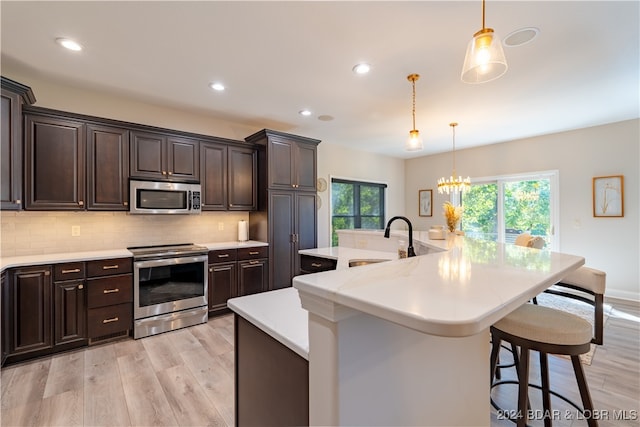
156 197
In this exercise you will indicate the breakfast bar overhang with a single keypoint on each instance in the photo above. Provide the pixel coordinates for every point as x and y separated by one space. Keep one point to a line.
406 342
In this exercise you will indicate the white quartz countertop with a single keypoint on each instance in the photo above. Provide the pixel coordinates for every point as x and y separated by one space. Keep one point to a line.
457 292
27 260
279 314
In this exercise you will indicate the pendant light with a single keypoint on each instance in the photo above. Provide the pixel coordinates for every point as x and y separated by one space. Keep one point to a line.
414 142
485 60
453 184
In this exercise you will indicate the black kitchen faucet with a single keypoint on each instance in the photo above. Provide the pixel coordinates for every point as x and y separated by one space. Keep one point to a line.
410 251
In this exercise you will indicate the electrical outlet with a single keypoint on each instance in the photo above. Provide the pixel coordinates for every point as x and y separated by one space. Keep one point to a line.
220 226
75 230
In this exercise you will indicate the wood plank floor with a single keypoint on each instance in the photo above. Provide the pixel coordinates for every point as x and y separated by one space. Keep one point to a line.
185 378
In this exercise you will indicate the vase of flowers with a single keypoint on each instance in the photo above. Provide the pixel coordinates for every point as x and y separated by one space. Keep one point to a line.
452 214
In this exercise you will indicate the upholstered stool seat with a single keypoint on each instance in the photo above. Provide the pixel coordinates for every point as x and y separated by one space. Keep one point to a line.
546 330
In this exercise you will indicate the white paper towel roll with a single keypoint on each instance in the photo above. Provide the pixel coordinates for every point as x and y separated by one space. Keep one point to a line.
243 231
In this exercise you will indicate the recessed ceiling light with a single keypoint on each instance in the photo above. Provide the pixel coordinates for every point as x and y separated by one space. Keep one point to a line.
521 37
362 68
304 112
217 86
69 44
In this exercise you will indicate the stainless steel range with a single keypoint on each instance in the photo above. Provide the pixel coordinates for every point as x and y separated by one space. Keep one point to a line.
170 287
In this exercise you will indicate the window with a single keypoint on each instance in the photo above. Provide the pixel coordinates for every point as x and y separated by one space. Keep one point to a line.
356 204
500 208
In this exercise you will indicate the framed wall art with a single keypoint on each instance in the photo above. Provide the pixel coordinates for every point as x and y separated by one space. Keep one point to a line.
425 199
608 196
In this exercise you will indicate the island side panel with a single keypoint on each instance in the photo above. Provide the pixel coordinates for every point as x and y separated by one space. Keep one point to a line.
272 381
386 374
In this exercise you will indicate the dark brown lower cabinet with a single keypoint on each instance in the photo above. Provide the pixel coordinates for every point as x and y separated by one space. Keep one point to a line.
70 312
28 296
222 285
272 381
236 272
253 276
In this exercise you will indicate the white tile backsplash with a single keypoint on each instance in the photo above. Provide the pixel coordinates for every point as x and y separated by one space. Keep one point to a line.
34 233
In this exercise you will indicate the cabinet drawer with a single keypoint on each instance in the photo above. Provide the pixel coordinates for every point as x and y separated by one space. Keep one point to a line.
253 253
222 255
69 271
312 264
109 320
108 267
109 290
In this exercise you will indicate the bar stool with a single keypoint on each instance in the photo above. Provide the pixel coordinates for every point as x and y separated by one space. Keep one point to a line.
548 330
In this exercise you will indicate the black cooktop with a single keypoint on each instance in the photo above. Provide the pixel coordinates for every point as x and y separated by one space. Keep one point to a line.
167 251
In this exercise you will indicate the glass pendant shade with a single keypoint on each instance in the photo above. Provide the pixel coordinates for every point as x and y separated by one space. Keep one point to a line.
485 60
414 142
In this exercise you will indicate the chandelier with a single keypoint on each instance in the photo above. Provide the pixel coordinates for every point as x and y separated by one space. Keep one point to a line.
414 142
484 60
453 184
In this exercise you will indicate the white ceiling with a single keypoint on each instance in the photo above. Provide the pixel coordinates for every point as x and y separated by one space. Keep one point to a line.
277 58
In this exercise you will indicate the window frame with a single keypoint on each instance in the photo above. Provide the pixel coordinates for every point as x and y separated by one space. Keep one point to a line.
554 179
357 217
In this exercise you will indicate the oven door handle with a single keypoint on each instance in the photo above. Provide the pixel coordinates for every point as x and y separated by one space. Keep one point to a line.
171 261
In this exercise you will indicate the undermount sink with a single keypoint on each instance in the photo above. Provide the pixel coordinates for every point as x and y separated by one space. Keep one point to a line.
359 262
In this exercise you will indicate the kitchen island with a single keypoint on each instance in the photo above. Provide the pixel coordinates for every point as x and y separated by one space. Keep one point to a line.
406 342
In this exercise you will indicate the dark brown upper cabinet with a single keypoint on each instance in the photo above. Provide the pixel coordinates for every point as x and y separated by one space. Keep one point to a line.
292 160
107 168
164 157
228 177
14 96
242 178
55 163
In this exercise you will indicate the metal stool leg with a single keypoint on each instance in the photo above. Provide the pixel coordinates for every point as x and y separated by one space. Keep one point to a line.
587 404
523 388
546 395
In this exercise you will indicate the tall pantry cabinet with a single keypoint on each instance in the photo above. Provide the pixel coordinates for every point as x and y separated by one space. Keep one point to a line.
286 217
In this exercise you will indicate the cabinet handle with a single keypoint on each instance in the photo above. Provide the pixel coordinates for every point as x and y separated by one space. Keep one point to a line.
169 173
230 205
223 256
315 264
210 269
125 203
18 201
110 267
110 291
164 172
113 319
81 203
80 286
254 262
75 270
47 273
253 252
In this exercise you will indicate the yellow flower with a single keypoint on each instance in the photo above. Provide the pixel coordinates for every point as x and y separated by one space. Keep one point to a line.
452 214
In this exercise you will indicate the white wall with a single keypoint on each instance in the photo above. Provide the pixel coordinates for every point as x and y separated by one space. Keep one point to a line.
609 244
340 162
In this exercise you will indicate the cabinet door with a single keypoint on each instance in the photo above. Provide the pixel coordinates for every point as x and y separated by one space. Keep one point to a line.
30 310
252 276
5 326
306 223
55 163
107 168
281 243
305 167
148 155
222 285
11 152
281 155
182 159
213 169
242 178
70 311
